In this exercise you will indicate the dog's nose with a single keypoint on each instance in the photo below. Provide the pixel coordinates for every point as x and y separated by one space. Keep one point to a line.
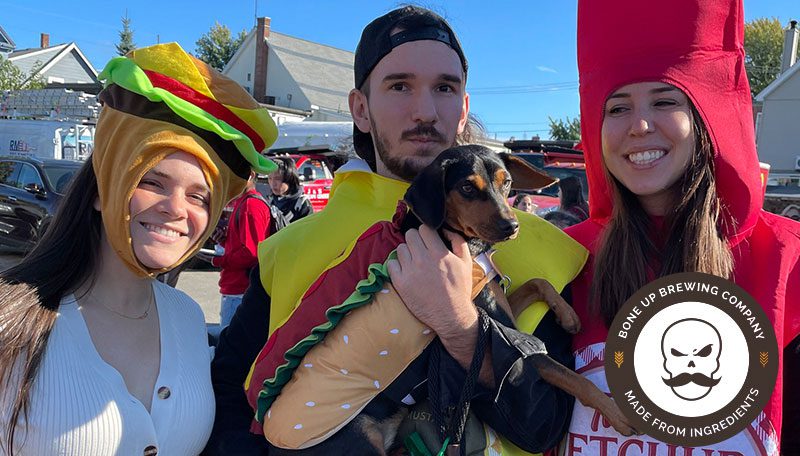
509 227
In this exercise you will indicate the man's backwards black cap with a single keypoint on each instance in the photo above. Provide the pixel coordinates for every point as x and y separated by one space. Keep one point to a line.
415 24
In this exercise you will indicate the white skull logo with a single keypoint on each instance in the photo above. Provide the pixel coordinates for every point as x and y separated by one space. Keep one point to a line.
691 350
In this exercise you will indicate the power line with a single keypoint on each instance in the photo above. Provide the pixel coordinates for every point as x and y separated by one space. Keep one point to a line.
516 123
520 131
517 89
526 85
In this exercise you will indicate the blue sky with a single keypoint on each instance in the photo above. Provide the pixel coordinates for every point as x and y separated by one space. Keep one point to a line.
521 53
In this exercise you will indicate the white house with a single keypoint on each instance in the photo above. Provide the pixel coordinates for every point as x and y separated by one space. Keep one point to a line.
778 123
59 64
297 78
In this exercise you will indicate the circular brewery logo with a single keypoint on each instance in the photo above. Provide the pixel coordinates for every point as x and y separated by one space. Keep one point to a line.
691 359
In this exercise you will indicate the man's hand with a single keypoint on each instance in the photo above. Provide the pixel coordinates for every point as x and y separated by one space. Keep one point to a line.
436 286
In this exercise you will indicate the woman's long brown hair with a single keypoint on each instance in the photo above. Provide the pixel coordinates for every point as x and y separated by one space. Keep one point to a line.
30 292
628 257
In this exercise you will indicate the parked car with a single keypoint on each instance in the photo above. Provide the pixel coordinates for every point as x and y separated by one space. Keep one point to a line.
30 191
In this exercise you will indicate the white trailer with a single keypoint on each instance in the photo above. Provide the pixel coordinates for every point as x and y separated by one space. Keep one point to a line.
46 139
314 135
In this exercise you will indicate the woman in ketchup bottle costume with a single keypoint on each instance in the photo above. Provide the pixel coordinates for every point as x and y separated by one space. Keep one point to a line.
674 186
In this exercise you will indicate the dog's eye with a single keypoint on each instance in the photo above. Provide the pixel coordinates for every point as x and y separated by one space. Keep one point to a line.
467 189
507 184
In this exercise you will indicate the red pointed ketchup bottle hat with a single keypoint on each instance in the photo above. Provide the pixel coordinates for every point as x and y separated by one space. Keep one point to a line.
695 45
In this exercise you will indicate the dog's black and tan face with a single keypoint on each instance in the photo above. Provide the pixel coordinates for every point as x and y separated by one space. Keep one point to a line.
466 189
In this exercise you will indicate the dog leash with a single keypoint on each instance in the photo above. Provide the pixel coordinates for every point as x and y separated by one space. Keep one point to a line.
452 432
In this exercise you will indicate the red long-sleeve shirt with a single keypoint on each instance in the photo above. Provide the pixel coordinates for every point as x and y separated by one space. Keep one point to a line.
248 226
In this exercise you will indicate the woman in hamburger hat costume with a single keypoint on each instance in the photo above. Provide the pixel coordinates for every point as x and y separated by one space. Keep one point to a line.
96 357
667 126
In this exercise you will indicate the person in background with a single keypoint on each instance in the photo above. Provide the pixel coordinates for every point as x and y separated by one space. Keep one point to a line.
248 225
667 129
561 219
572 201
525 203
287 193
97 357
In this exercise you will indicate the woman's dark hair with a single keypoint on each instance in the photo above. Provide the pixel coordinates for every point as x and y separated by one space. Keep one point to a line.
30 292
571 192
628 258
561 219
287 169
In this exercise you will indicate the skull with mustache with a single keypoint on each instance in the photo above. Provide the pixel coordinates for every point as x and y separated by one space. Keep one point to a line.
691 349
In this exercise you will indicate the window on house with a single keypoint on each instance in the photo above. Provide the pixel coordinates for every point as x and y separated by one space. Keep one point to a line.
248 77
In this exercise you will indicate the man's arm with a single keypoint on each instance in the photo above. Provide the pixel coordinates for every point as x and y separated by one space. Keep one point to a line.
436 286
511 396
523 408
238 347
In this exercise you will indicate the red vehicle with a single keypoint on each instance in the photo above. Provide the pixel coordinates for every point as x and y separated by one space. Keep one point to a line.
315 168
316 177
559 159
318 149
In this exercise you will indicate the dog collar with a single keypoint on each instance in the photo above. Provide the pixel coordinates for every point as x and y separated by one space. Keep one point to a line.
483 270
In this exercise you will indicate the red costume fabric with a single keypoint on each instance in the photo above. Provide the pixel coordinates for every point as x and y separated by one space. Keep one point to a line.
250 227
697 46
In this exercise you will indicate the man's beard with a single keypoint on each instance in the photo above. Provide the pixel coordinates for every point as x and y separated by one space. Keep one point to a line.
402 167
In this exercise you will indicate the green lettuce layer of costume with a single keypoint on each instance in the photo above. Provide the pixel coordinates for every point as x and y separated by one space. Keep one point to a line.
125 73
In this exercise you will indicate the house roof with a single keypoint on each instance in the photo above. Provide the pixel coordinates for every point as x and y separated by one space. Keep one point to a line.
785 76
27 59
324 73
6 41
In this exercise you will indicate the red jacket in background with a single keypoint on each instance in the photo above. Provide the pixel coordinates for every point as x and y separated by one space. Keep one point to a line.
248 226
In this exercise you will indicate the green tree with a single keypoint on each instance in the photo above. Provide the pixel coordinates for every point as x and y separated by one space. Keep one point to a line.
125 44
763 45
567 129
218 45
12 78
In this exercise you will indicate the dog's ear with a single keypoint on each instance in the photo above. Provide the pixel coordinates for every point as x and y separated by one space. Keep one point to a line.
524 175
426 195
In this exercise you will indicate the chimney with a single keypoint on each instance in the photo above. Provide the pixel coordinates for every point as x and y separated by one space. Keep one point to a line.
791 36
44 40
262 54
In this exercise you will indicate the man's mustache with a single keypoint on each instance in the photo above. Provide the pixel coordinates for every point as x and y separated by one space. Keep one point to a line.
697 377
423 130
